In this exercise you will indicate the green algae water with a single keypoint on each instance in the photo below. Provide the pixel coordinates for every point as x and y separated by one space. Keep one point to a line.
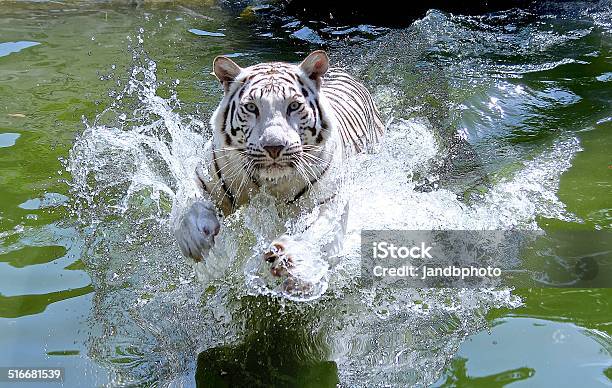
103 115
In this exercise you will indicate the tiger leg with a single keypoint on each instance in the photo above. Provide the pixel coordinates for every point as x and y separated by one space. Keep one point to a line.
196 230
294 257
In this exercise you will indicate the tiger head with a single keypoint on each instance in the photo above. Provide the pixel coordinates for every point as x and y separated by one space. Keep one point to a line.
273 119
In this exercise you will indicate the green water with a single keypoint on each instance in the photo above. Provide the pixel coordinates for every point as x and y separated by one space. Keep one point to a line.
78 53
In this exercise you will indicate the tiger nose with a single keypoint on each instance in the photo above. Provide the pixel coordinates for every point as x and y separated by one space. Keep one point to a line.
273 150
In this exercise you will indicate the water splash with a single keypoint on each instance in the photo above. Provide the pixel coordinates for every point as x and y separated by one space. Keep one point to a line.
132 171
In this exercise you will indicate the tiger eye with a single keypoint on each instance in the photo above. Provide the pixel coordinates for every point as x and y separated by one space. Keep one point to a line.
294 106
251 107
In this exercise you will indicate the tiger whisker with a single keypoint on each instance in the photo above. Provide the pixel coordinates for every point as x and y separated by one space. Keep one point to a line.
302 173
309 168
243 179
232 171
313 159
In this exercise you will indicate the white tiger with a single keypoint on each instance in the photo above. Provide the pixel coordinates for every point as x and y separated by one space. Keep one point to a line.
284 127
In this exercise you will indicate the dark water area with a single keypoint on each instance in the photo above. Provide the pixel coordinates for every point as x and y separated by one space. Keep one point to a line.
389 14
497 120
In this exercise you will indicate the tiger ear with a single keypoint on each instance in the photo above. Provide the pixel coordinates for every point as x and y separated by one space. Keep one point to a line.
315 65
225 70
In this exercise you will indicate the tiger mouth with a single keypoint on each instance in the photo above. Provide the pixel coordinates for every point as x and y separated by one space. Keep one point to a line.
274 171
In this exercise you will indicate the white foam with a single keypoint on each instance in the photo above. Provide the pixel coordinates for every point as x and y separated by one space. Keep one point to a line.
131 180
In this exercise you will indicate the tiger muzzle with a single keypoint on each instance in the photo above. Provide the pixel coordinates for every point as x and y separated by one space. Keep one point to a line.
274 150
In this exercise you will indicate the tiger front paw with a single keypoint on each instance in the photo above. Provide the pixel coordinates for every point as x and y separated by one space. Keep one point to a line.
197 230
281 261
289 259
